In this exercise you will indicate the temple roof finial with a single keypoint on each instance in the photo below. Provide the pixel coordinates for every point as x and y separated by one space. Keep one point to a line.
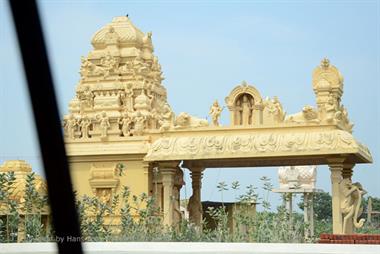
325 63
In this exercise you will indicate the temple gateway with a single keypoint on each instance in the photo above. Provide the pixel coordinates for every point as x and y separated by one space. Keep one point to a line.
121 130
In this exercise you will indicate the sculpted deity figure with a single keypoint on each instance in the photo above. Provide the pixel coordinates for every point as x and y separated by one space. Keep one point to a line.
215 112
121 96
332 112
85 67
125 123
110 64
156 73
104 124
274 108
85 126
246 111
86 98
105 196
128 96
346 121
71 124
138 65
351 197
139 121
278 111
154 118
167 118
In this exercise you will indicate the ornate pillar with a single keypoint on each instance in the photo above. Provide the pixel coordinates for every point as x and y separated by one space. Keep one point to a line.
195 205
257 114
306 214
336 168
168 171
289 208
311 213
178 183
347 174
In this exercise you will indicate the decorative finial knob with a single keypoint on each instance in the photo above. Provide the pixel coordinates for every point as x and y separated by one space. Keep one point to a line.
325 63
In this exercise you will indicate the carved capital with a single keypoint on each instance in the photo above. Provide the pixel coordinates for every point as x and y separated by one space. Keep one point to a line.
347 170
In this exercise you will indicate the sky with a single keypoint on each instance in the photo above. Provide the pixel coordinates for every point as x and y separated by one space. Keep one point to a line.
206 48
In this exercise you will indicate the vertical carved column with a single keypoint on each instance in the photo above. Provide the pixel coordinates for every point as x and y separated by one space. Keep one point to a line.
257 115
336 168
306 214
347 174
311 213
289 208
168 171
178 183
195 205
148 175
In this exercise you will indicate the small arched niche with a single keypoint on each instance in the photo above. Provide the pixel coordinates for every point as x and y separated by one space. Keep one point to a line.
245 105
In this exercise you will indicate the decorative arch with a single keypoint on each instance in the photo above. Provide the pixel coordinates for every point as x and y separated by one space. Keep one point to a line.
248 95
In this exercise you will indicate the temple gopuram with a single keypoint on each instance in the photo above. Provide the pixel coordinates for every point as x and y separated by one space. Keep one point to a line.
121 130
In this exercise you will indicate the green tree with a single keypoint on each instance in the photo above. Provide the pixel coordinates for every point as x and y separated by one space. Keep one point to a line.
321 204
375 203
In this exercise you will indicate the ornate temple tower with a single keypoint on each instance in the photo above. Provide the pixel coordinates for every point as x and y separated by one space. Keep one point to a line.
120 92
119 106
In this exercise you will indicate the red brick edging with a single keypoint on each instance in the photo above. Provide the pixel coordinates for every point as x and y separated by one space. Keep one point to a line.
350 239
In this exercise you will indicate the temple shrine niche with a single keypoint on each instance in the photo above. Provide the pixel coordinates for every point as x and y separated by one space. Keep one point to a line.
120 115
247 107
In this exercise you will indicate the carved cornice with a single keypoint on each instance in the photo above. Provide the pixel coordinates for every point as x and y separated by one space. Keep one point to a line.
324 142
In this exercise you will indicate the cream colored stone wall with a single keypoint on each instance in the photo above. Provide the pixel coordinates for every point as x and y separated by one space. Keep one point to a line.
135 175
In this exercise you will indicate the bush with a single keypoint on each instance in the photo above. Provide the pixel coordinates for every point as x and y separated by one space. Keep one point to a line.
139 219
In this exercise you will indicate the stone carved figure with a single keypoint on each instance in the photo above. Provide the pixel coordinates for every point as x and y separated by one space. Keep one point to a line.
195 209
345 120
143 102
85 67
104 124
86 98
138 66
331 109
308 115
245 111
156 72
128 102
167 118
351 197
215 112
110 64
154 119
105 195
90 69
184 120
274 109
85 127
71 126
139 123
125 123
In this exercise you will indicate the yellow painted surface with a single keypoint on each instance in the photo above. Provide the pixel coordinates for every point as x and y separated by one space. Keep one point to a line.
120 115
